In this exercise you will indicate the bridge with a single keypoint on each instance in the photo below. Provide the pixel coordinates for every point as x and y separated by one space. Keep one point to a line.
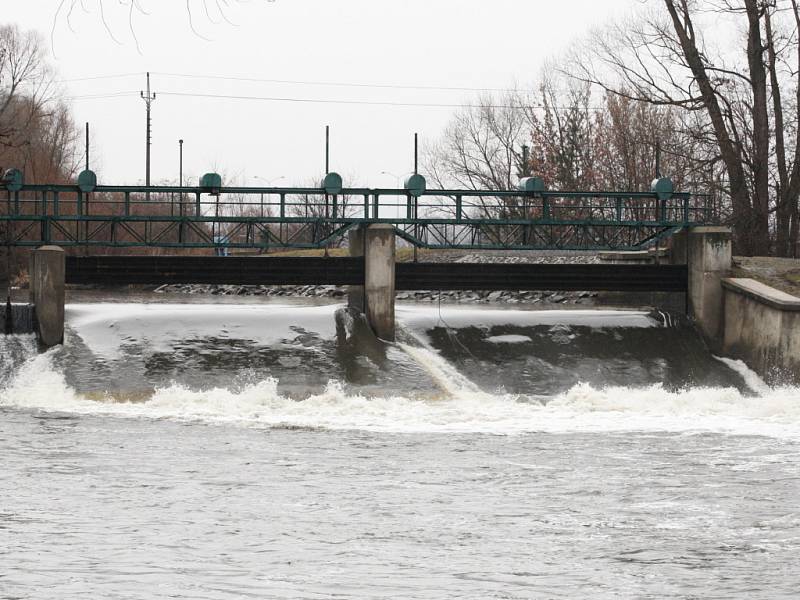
267 218
85 215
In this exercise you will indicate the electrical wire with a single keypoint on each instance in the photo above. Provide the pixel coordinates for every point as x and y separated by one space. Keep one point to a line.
332 101
391 86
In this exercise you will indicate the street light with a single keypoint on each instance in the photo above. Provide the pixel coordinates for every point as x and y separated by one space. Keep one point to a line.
180 176
397 181
269 183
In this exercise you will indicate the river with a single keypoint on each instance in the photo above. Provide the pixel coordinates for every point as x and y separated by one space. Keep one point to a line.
277 450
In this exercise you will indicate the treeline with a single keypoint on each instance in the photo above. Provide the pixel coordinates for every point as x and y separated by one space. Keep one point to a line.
37 133
711 87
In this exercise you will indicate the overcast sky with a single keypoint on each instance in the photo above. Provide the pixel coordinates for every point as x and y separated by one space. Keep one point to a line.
440 43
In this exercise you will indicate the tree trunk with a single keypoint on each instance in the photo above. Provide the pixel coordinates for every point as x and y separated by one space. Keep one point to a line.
761 132
783 200
745 223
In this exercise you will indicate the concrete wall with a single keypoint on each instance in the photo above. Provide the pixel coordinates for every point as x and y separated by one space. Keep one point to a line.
762 327
710 259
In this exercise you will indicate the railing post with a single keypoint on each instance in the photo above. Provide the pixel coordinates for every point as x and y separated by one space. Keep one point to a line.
545 208
459 202
283 206
127 204
619 210
197 209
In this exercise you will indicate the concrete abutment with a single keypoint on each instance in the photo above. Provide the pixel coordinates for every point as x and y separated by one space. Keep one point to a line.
709 256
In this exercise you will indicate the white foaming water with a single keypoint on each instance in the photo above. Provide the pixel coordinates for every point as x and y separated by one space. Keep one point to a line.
751 378
465 409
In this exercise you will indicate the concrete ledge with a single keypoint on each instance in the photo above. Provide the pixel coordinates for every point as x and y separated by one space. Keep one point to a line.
762 327
762 293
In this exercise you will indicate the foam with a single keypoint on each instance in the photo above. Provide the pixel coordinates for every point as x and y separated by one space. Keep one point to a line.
462 407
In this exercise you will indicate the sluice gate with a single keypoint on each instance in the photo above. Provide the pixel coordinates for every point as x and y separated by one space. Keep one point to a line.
159 270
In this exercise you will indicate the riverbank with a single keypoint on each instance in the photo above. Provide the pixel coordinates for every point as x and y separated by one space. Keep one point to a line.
780 273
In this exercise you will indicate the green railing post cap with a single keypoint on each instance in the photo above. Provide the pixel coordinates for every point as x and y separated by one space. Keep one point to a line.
663 188
87 181
13 180
211 183
332 184
415 185
531 185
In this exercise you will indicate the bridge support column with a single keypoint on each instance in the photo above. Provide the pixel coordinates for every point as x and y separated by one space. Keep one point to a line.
47 274
379 261
355 293
709 257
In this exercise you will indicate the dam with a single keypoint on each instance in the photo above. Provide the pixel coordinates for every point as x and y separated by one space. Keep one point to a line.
466 451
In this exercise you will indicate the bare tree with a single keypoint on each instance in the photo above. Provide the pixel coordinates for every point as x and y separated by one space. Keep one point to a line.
664 60
111 12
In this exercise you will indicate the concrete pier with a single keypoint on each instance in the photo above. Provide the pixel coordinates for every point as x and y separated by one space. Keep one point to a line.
379 282
355 293
47 275
710 260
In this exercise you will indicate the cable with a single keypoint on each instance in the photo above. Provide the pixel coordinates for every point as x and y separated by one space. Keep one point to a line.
390 86
330 101
101 96
345 102
95 77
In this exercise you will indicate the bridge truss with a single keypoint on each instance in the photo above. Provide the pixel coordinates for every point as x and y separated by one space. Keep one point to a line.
272 217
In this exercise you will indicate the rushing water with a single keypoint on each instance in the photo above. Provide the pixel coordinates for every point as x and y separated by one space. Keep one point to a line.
280 451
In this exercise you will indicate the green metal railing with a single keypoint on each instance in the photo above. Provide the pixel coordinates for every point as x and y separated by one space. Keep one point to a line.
274 217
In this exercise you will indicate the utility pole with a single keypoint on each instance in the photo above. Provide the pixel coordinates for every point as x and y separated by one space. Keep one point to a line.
180 174
526 165
148 101
87 146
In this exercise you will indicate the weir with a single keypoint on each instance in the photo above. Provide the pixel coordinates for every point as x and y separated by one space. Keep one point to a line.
623 226
736 317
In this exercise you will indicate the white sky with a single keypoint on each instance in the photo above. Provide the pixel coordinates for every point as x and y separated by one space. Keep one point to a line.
450 43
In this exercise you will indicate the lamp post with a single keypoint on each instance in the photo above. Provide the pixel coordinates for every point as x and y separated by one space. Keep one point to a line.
180 175
397 182
269 183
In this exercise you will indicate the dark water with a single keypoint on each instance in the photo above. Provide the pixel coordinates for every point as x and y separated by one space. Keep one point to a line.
230 451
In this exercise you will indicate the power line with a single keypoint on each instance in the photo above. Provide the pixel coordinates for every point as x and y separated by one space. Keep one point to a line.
95 77
98 96
332 101
391 86
372 102
292 99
